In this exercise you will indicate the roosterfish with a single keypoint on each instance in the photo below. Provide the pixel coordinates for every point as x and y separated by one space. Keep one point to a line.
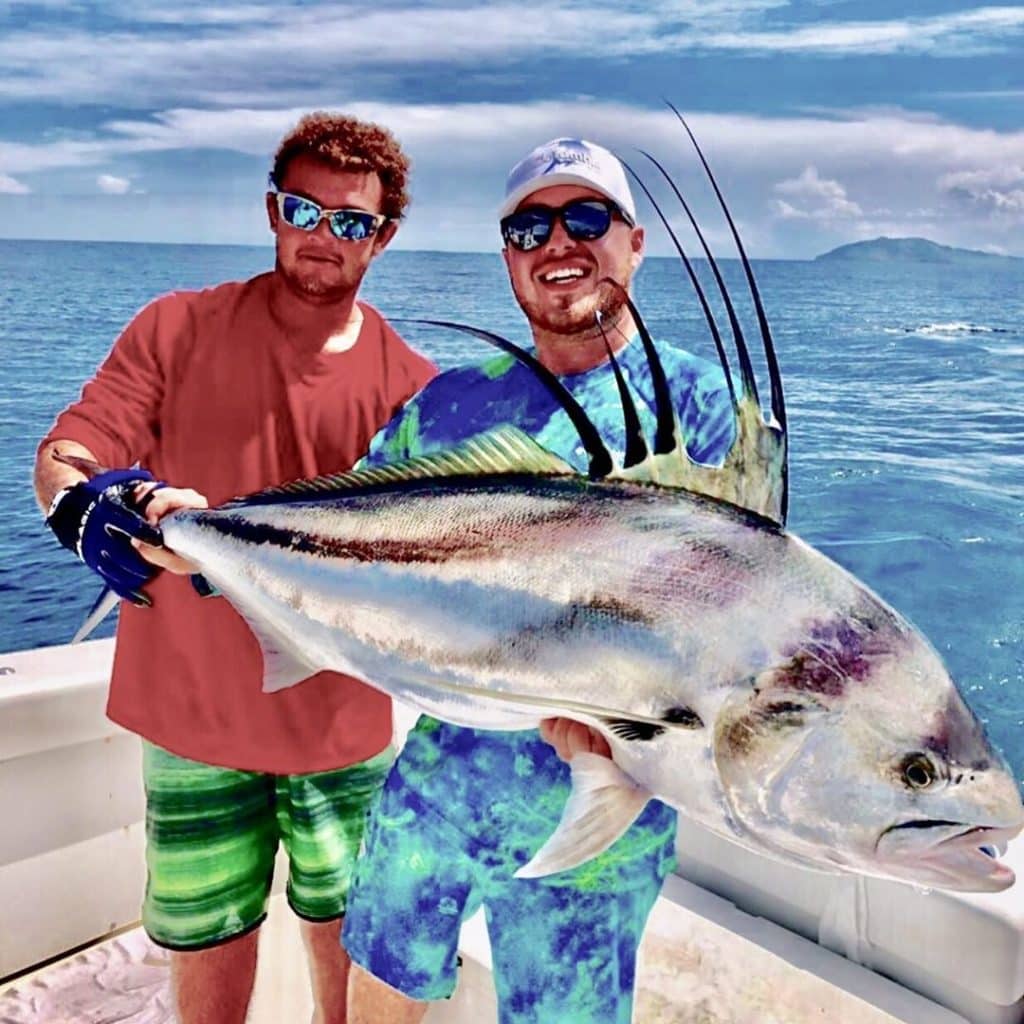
738 674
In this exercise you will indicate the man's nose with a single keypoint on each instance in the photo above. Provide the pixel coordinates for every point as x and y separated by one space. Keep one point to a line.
560 239
323 228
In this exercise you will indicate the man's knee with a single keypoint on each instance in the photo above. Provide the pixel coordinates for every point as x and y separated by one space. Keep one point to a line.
328 969
372 1001
215 983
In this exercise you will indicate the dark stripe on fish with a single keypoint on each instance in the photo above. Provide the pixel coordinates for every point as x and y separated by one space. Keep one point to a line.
741 730
601 606
436 550
574 618
601 618
836 652
428 549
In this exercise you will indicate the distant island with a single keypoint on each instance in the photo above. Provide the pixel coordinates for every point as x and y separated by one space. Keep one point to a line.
919 250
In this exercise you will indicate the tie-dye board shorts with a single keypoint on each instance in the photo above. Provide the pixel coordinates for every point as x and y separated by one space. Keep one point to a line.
563 947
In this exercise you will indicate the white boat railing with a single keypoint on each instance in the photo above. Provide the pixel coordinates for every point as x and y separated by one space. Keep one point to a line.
72 870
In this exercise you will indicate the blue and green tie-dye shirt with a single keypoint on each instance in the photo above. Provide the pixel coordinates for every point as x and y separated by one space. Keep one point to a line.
505 791
470 400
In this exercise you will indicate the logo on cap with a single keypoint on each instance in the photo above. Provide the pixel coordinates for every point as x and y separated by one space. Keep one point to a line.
567 155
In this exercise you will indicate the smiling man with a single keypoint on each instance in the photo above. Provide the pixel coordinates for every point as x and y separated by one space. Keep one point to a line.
463 809
229 390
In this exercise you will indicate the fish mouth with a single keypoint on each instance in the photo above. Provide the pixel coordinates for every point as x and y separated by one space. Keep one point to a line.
948 854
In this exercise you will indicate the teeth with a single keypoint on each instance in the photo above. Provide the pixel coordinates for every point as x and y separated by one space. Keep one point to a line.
564 274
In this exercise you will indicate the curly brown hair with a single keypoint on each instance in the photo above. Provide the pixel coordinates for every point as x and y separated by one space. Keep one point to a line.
348 144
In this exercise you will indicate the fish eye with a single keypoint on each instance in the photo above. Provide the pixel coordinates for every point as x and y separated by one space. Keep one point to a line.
918 772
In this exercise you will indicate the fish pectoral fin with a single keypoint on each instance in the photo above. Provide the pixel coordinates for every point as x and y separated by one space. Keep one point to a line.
603 803
281 669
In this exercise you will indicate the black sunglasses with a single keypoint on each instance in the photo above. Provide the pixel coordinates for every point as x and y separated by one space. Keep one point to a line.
583 219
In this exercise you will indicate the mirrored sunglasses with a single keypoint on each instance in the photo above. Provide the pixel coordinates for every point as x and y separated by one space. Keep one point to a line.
584 220
348 225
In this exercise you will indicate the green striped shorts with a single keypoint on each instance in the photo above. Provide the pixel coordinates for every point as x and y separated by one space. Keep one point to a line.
212 835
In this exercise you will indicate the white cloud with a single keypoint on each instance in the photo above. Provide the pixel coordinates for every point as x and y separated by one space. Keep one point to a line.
998 190
979 94
1008 201
265 53
24 157
965 33
12 187
819 198
829 178
275 55
113 185
202 13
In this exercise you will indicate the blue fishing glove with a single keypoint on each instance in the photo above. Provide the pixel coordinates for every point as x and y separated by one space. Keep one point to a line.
97 518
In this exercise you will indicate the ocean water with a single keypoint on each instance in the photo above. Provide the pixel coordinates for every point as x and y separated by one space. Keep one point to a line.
904 384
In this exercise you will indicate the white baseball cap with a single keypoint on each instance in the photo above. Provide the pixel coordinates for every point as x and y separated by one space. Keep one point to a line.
569 162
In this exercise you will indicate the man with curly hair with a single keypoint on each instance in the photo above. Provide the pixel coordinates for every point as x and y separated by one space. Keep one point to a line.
229 390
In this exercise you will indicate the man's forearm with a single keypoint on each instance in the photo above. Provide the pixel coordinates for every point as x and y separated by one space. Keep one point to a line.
52 476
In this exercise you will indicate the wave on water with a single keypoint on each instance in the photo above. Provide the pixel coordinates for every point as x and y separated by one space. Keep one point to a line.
947 331
827 543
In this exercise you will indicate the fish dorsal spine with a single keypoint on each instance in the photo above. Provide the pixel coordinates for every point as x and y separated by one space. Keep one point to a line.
501 451
754 474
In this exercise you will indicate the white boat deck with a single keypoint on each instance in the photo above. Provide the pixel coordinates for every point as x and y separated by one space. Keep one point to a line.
765 950
691 970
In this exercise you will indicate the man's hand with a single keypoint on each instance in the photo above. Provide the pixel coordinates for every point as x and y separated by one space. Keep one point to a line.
99 521
570 737
163 501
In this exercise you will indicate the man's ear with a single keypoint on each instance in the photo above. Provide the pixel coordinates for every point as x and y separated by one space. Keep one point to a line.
382 239
272 212
636 241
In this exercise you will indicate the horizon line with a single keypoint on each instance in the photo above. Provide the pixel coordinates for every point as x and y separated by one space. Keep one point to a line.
392 249
494 252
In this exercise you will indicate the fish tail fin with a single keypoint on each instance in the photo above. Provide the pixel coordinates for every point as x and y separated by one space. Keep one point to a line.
104 604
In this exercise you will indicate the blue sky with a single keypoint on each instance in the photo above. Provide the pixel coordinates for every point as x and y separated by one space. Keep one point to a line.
827 121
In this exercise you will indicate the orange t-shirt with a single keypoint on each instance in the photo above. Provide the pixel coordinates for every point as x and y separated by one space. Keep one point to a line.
206 390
